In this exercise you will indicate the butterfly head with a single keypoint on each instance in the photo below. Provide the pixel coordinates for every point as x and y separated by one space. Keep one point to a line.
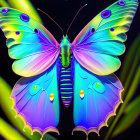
65 39
65 42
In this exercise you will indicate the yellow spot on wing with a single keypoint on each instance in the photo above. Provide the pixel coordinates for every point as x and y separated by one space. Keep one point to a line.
51 97
35 86
98 83
81 93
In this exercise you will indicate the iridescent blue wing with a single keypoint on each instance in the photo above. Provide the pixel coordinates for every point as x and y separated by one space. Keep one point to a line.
97 46
30 43
96 98
37 100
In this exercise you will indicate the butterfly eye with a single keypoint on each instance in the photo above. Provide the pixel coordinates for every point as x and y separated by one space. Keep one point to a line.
17 32
93 30
24 17
106 14
36 31
111 29
121 3
99 87
5 11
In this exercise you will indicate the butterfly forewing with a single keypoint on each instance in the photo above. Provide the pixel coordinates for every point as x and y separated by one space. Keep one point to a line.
97 46
29 42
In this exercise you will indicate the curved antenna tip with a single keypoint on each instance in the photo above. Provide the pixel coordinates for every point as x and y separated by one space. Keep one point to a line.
51 19
75 17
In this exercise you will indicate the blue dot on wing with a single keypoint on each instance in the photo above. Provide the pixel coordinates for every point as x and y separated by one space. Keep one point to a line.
111 29
36 30
106 14
93 30
121 3
24 17
5 10
17 32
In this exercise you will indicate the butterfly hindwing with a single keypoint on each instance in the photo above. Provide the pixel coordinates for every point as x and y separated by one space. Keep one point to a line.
95 98
100 42
29 42
37 100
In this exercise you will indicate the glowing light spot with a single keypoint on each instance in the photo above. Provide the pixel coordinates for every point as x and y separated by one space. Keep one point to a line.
24 17
98 84
106 14
35 86
81 93
4 11
99 87
122 3
51 97
34 89
17 32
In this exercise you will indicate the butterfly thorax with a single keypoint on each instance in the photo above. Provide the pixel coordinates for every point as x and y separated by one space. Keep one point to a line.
65 51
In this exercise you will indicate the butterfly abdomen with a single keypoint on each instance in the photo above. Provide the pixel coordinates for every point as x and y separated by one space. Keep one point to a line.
66 87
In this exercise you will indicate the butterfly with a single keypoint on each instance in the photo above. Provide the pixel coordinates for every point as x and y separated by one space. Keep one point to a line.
81 71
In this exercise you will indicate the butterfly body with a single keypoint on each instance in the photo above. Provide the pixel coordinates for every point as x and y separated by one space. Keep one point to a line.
81 70
65 51
66 84
65 76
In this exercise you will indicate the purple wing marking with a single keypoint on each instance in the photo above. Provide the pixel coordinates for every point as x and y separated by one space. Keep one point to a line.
37 100
96 99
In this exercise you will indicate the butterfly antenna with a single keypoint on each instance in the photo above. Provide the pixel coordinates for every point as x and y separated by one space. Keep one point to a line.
52 20
75 17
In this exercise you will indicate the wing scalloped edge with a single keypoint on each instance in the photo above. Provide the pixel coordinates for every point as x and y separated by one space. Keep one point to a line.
28 125
104 123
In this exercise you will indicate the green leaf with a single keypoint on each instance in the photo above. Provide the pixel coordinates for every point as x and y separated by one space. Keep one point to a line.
131 113
26 7
129 95
3 3
7 104
8 132
48 137
130 78
135 104
130 62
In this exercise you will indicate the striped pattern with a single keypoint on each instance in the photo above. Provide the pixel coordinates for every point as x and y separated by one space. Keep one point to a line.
66 88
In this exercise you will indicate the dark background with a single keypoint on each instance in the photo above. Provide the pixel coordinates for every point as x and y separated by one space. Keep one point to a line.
63 11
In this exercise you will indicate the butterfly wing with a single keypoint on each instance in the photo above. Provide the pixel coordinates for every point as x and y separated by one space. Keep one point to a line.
100 42
96 98
29 42
37 100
